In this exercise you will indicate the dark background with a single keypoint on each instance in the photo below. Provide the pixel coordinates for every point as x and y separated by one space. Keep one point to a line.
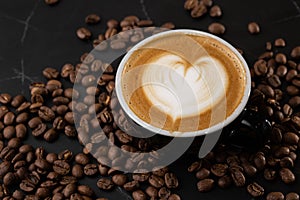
34 35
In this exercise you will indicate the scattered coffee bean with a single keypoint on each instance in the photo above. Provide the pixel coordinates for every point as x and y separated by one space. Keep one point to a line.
279 42
205 185
255 190
83 33
216 28
275 196
287 176
253 28
92 19
292 196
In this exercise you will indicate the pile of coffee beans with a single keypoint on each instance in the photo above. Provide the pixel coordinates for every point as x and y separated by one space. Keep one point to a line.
275 93
200 8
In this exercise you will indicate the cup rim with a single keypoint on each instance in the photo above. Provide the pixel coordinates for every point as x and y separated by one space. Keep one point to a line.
212 129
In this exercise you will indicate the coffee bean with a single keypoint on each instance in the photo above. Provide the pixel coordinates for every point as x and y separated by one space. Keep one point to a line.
249 169
105 184
156 181
174 197
219 169
112 23
39 130
59 123
280 58
50 73
281 152
151 192
92 19
198 11
70 131
286 162
5 98
292 196
9 132
164 193
119 179
287 176
215 11
51 2
253 28
216 28
65 180
17 194
291 138
85 190
5 167
259 161
77 171
82 159
14 143
142 177
27 186
17 101
90 169
279 42
269 174
139 195
9 118
46 113
255 190
295 53
61 167
34 122
225 181
51 135
238 178
171 180
83 33
205 185
190 4
274 81
294 101
275 196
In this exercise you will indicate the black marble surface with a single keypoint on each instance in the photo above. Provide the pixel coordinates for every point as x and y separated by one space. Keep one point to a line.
34 35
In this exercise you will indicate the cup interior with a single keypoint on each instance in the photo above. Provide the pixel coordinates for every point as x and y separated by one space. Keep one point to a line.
214 128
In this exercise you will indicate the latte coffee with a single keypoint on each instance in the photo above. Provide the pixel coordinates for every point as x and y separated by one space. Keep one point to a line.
183 81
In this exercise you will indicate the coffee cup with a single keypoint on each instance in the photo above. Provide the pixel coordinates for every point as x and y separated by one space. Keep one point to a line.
183 83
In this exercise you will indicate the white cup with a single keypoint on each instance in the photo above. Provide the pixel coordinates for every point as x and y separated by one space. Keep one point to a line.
217 127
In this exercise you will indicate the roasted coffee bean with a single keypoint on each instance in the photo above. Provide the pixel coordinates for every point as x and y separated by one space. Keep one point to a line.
141 177
139 195
105 184
274 81
215 11
280 58
18 195
294 101
270 174
59 123
151 192
17 101
70 131
238 178
156 181
119 179
51 157
9 132
51 2
291 74
42 193
65 180
259 161
279 42
287 176
85 190
255 190
5 167
287 110
77 171
131 186
174 197
286 162
291 138
30 157
219 169
39 130
164 193
190 4
34 122
249 169
282 151
14 143
295 53
253 28
5 98
23 107
92 19
292 90
61 167
198 11
171 180
225 181
9 118
205 185
292 196
275 196
50 73
27 186
21 131
82 159
51 135
216 28
90 169
83 33
112 23
69 190
46 113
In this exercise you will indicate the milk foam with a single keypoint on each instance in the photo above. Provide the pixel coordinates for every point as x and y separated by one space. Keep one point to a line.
183 89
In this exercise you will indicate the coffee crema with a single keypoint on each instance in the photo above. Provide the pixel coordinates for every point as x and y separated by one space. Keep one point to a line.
183 82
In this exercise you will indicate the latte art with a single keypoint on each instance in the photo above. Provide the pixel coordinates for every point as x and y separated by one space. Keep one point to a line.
183 89
183 82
